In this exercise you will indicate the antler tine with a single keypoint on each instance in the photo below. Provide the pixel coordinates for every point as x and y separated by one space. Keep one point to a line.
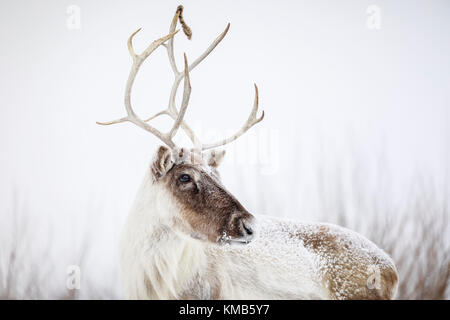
130 44
169 45
211 47
251 121
185 101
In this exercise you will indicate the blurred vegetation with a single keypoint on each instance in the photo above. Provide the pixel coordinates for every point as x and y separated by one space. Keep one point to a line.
414 231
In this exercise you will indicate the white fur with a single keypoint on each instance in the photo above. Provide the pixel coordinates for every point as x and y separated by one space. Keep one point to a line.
159 261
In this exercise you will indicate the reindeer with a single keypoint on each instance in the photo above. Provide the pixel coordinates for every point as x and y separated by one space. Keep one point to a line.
187 237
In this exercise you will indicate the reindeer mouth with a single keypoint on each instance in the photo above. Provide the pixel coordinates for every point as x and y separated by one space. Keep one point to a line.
246 239
240 242
237 242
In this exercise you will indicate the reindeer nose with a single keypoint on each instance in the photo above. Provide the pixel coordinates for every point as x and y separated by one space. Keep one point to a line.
247 229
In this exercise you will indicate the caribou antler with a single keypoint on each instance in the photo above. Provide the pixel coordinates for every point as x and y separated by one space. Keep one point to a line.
172 110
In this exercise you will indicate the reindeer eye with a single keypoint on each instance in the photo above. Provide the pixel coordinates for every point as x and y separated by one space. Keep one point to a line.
185 178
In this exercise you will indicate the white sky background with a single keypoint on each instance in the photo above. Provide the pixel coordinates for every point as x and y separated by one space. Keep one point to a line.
328 85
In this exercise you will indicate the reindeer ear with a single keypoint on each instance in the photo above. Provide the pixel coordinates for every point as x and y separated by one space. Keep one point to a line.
162 162
214 158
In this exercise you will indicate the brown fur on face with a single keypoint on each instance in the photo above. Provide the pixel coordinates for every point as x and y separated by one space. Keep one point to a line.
210 211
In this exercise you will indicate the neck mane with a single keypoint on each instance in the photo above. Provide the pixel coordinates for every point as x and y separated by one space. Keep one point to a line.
163 260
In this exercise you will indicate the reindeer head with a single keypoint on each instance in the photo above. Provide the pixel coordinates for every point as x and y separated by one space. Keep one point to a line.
207 210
